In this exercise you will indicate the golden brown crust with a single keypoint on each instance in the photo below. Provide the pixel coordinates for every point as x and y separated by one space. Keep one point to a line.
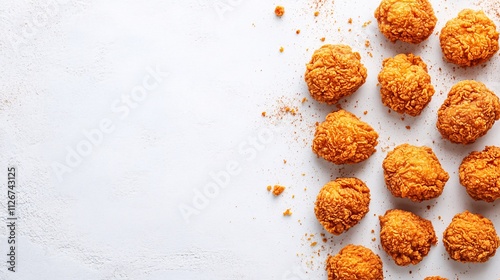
335 71
405 84
469 111
410 21
480 174
341 204
469 39
406 237
470 238
354 262
435 278
343 138
414 172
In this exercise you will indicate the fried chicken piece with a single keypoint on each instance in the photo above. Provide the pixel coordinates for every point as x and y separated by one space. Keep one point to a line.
469 39
410 21
469 111
414 172
406 237
405 84
480 174
344 139
470 238
354 262
435 278
341 204
335 71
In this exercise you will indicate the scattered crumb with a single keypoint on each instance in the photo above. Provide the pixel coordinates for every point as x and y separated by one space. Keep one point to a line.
269 188
263 114
367 23
322 39
279 11
373 231
439 217
297 32
365 112
303 174
325 240
277 190
282 49
367 43
373 239
304 100
287 212
349 30
370 54
316 13
284 161
314 244
293 196
349 21
408 127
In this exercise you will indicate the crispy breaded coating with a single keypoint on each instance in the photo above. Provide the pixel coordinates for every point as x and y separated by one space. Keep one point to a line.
470 238
405 85
410 21
435 278
406 237
335 71
469 111
354 262
414 172
480 174
343 138
341 204
469 39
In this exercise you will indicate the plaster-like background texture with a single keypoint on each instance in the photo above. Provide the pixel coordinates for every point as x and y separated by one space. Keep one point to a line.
176 90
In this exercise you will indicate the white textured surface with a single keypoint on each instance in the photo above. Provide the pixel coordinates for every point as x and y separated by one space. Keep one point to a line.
116 214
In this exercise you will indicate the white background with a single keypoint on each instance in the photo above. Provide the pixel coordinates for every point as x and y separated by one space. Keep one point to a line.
116 212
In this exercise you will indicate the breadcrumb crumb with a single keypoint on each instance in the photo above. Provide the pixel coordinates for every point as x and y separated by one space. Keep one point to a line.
287 212
282 49
297 32
263 114
349 21
269 188
316 13
277 190
279 11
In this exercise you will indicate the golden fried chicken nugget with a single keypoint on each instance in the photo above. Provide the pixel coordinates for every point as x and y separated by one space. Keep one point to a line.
414 172
354 262
480 174
343 138
435 278
469 39
341 204
410 21
405 85
469 111
335 71
470 238
406 237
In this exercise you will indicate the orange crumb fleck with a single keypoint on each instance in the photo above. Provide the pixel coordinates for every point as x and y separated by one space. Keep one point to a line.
287 212
349 30
314 244
370 54
367 43
277 190
316 13
297 32
439 217
349 20
365 112
367 23
293 112
293 196
304 99
269 188
373 239
303 174
279 11
282 49
408 127
263 114
284 161
373 231
325 240
322 39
